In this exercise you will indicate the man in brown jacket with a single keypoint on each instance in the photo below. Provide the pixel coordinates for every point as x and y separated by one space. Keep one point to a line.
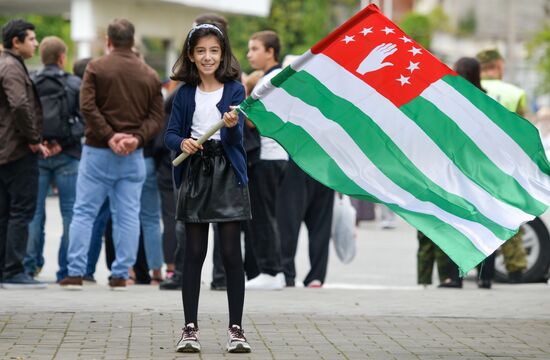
20 121
121 100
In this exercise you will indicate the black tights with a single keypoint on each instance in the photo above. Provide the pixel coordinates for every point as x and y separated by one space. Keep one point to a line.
196 245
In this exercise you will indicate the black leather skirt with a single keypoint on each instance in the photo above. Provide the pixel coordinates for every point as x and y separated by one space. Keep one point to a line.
209 191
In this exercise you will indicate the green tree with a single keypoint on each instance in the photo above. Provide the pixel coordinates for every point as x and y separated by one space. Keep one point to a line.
47 26
299 23
439 19
539 49
467 24
418 27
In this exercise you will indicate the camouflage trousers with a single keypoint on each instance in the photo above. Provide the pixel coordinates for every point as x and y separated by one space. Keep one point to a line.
515 258
428 252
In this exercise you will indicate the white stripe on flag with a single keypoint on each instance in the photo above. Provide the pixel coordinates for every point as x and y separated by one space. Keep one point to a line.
410 138
353 162
485 133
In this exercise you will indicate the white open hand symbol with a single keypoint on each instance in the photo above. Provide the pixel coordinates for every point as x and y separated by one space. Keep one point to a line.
375 58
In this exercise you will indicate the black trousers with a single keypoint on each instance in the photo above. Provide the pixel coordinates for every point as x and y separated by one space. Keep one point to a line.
18 193
304 199
485 269
141 269
168 208
265 179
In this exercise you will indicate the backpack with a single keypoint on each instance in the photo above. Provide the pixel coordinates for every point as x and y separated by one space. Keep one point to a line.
53 92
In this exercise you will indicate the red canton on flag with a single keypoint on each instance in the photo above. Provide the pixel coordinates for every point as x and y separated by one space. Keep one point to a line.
386 53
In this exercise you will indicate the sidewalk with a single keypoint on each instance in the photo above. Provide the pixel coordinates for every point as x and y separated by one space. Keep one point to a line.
368 309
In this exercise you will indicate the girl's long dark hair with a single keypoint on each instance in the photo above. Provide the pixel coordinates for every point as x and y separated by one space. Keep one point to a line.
186 71
470 70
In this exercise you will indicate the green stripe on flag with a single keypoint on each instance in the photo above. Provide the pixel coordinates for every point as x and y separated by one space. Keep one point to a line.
314 160
457 246
467 156
519 129
381 150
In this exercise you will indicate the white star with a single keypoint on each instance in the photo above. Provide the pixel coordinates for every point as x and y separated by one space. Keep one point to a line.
348 39
366 31
415 51
405 39
388 30
403 80
413 66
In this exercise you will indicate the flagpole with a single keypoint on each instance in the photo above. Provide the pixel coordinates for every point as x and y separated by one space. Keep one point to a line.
201 140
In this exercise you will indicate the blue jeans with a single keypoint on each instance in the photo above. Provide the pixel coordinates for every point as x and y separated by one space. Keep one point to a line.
150 217
102 173
100 224
62 170
34 256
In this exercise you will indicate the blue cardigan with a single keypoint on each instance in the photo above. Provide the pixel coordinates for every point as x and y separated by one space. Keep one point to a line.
179 128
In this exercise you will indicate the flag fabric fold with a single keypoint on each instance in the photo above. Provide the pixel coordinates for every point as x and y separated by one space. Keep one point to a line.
370 113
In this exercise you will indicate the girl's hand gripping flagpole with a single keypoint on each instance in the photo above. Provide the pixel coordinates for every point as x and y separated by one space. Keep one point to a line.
178 160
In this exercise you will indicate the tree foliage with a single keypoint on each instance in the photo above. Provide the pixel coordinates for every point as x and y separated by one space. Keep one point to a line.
418 27
47 26
439 19
467 24
299 23
539 49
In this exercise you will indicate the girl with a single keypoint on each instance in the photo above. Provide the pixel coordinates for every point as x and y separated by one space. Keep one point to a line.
212 181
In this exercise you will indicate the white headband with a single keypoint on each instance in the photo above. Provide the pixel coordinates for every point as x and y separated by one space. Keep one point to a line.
203 26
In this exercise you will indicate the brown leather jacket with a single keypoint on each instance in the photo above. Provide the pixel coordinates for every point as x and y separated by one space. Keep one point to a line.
120 93
20 111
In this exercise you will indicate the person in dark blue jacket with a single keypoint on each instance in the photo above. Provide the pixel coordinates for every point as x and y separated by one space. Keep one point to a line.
212 181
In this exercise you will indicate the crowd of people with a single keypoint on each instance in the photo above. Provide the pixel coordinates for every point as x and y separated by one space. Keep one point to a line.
105 137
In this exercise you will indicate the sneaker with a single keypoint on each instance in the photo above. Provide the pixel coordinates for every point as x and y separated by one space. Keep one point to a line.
117 283
172 283
189 342
89 278
71 283
22 281
315 284
266 282
236 341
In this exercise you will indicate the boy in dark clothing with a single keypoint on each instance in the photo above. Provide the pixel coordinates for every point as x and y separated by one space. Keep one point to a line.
62 166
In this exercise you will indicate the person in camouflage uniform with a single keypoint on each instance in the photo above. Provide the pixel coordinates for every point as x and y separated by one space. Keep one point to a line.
512 98
428 252
515 258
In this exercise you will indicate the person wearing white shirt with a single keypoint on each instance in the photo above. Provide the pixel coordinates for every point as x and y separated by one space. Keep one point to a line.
265 177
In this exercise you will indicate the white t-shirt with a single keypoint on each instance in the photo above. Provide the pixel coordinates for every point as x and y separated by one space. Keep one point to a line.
270 149
206 113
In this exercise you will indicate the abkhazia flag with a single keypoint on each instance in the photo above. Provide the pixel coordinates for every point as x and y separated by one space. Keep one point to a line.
370 113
